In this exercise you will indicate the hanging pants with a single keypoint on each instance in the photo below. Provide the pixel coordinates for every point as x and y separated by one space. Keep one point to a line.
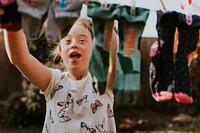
188 38
169 77
127 82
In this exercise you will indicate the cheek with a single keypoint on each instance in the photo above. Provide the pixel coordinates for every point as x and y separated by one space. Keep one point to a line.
64 51
90 51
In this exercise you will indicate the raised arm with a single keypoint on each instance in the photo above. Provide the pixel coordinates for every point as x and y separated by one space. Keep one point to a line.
30 67
112 62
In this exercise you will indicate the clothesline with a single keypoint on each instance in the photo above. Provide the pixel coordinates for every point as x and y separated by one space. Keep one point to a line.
153 5
171 5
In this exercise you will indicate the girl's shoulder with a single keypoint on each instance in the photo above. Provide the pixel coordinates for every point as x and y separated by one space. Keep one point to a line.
59 76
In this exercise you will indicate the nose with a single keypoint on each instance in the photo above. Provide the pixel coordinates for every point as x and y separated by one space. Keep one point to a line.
74 44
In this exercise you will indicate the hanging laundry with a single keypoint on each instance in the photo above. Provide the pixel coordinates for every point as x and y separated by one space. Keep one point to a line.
6 2
169 77
131 26
161 53
130 29
34 13
11 19
188 38
103 16
62 15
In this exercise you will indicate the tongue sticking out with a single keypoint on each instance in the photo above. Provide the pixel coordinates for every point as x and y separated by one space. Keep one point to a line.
75 56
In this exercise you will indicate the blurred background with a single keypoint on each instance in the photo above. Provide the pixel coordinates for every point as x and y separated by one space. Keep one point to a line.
22 108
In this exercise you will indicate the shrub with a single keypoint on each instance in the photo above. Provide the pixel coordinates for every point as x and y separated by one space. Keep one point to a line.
26 107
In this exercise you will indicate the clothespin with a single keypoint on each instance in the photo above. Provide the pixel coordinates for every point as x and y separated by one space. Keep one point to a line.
62 3
30 2
189 13
162 6
133 4
190 2
103 4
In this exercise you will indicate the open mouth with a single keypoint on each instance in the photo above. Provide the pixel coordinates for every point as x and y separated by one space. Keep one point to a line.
74 56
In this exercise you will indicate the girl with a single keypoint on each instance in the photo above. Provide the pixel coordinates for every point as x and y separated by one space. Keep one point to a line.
72 103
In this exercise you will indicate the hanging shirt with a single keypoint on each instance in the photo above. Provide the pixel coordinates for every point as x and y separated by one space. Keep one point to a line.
74 106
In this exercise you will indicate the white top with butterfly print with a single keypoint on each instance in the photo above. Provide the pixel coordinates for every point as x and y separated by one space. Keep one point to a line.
73 106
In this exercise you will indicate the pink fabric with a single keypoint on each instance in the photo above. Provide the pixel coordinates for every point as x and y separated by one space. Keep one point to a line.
6 2
183 98
162 96
11 26
154 49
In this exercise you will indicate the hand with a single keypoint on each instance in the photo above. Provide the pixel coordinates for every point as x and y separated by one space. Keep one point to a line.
10 18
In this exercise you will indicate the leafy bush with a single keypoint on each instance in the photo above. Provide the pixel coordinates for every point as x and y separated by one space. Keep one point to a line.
26 107
40 49
194 67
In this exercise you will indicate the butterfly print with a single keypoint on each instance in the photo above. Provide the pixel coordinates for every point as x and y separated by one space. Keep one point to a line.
46 129
54 90
62 76
95 105
66 103
101 126
82 100
86 129
62 115
109 111
50 117
94 87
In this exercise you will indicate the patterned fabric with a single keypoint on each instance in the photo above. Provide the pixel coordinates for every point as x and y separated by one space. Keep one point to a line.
188 38
73 106
167 75
127 84
161 67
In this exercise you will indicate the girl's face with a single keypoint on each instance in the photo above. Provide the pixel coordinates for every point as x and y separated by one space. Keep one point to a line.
76 48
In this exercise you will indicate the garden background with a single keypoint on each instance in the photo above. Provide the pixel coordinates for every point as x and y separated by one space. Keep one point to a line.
22 108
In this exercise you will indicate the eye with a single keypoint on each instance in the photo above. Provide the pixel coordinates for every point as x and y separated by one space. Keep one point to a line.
81 40
67 41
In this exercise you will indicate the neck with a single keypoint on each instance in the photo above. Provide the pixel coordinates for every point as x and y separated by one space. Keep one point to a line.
78 76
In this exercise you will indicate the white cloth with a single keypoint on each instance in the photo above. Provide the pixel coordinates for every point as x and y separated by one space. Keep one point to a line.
73 106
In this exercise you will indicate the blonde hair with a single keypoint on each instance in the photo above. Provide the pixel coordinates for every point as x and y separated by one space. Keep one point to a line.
87 23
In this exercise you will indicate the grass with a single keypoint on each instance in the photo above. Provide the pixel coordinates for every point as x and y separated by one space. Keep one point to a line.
20 131
174 129
33 129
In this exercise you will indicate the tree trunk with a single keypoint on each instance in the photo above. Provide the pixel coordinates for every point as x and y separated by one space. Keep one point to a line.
10 77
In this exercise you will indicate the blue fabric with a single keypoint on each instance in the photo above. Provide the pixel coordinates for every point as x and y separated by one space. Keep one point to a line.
128 66
165 75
